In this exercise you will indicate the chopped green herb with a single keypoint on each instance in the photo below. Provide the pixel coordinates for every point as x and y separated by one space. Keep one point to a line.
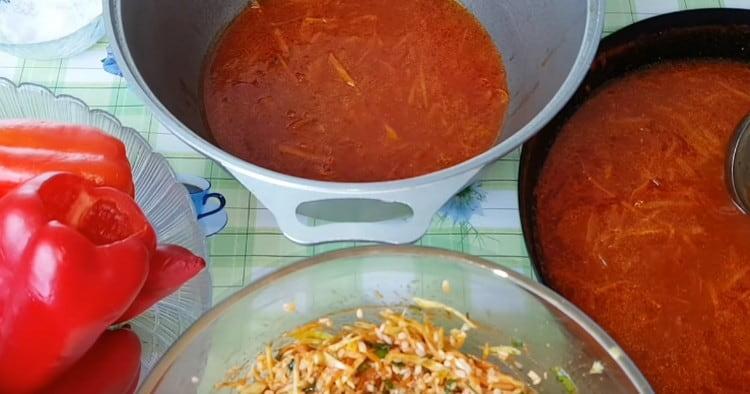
389 384
450 386
517 344
399 364
381 350
363 367
564 378
414 308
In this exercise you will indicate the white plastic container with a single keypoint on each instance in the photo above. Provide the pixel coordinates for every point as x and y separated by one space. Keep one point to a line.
49 29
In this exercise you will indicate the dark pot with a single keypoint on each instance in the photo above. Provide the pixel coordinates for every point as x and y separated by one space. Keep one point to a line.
707 33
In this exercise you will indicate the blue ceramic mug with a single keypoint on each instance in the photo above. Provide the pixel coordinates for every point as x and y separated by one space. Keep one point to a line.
200 192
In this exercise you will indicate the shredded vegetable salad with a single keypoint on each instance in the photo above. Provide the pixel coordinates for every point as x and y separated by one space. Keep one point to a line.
399 355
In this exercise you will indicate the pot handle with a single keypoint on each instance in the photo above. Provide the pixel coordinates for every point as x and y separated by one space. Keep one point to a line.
423 201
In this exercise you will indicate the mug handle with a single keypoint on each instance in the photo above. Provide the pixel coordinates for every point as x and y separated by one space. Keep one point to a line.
222 204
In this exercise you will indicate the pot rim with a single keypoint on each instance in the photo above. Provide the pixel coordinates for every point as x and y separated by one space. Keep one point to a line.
589 43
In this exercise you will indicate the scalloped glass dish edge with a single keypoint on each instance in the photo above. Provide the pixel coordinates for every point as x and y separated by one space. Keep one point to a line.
163 199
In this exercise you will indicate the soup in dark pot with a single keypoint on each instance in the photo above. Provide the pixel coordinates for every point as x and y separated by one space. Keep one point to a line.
637 227
355 90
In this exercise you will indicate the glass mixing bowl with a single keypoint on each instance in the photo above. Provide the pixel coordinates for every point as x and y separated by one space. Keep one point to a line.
505 306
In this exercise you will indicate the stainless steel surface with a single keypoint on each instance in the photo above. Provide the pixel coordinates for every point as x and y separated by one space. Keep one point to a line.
504 305
164 201
738 166
547 47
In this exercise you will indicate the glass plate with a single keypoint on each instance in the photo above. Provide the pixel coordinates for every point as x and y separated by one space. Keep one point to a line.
164 201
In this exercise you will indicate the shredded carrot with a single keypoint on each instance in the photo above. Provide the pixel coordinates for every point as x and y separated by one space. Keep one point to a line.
364 55
391 133
308 26
294 151
315 37
504 95
423 86
286 67
286 21
368 17
281 41
377 38
666 205
462 42
737 92
401 42
398 354
614 285
712 294
737 276
340 70
387 65
592 228
600 187
413 91
309 20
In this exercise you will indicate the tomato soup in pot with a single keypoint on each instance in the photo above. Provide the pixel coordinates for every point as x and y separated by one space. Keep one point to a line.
355 90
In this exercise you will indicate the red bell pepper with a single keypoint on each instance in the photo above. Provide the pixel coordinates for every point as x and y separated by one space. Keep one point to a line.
171 266
73 257
112 366
30 148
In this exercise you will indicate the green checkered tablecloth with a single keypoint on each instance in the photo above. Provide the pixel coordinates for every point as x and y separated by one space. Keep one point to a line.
251 245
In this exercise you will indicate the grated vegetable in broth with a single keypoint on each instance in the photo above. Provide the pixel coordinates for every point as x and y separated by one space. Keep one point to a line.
355 90
637 227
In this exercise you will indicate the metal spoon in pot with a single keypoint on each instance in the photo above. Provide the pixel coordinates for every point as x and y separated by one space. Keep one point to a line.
738 166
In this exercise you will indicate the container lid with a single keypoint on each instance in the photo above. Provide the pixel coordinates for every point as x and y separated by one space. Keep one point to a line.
34 21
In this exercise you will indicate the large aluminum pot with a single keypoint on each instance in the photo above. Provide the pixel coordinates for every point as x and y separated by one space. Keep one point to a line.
547 46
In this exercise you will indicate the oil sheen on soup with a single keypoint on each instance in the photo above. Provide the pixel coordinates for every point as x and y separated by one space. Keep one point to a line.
355 90
637 227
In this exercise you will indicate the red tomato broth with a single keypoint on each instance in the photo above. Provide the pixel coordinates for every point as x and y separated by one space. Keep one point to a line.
366 90
637 227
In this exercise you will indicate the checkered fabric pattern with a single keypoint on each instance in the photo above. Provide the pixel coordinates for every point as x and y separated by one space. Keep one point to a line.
251 244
